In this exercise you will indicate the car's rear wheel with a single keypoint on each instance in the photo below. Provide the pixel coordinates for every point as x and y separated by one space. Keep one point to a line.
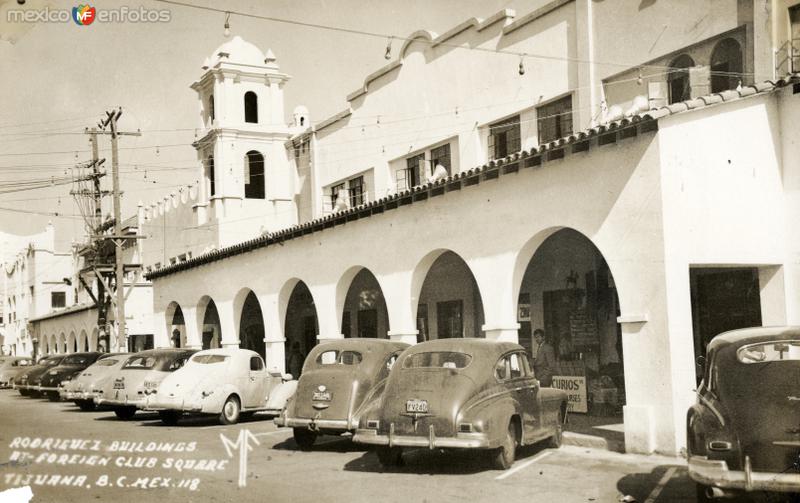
304 438
169 417
125 413
390 456
24 392
53 396
230 411
86 405
558 434
702 493
506 454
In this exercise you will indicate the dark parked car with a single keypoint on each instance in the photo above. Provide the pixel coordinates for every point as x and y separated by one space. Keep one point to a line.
743 434
27 383
72 365
337 378
11 367
463 394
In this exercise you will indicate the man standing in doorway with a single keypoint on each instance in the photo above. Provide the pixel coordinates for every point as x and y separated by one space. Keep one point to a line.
544 363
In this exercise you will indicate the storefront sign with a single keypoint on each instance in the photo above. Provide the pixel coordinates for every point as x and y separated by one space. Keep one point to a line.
575 386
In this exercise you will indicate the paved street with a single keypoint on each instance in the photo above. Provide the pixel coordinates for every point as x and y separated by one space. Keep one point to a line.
336 470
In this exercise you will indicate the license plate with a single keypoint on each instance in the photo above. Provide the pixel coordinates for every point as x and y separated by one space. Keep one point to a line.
119 385
322 396
415 405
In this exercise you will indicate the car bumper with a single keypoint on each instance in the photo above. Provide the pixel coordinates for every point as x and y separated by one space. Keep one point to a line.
716 474
172 404
431 441
47 389
114 402
313 424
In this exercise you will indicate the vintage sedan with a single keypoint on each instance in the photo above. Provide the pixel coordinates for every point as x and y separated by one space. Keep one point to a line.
80 390
10 367
70 366
28 381
337 378
462 394
227 382
743 434
126 390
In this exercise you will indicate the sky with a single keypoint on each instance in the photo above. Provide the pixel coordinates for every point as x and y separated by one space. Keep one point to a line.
58 78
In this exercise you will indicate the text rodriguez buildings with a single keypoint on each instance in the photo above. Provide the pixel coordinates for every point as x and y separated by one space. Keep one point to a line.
623 176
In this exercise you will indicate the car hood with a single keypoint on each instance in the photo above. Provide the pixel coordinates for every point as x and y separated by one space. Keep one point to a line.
444 390
764 409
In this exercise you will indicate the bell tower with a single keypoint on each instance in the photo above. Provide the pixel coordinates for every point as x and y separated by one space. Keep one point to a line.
245 187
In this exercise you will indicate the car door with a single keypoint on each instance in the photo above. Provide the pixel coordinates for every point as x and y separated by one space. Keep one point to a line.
256 384
526 390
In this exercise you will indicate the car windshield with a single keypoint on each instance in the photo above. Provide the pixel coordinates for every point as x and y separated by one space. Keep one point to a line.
437 359
141 362
208 359
52 362
767 352
76 360
336 357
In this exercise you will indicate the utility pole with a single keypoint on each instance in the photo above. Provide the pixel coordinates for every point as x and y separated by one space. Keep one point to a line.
102 328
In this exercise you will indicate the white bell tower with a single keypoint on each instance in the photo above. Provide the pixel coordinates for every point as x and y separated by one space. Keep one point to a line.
246 187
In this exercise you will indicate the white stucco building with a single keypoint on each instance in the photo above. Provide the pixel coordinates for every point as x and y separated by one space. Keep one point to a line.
628 189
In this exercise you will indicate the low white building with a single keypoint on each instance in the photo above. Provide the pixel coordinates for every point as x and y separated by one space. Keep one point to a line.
632 213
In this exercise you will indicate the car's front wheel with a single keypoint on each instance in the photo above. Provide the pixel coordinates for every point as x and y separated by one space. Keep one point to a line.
125 413
230 411
506 454
304 438
86 405
53 396
169 417
390 456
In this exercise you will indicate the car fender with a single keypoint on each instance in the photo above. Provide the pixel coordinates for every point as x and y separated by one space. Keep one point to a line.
493 415
280 395
213 403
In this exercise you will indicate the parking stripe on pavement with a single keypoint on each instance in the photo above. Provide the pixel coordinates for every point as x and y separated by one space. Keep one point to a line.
660 486
523 465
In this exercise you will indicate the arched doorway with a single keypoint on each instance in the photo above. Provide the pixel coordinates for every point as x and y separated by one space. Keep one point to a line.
83 341
364 313
568 291
301 328
53 349
450 303
93 340
251 325
72 343
678 79
726 65
176 326
211 328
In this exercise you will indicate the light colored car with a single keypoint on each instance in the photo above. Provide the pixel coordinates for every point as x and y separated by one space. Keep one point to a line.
10 367
80 390
281 394
462 394
126 390
229 382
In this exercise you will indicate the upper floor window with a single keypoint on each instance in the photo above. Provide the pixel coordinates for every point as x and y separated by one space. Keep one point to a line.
336 204
504 138
356 189
58 299
210 175
415 170
441 156
254 176
726 65
678 79
211 107
251 107
555 120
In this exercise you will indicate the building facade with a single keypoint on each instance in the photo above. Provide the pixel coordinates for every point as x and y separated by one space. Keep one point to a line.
545 170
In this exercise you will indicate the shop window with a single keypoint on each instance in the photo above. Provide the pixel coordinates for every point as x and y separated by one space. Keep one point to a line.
449 319
726 65
555 120
254 176
356 189
210 176
58 299
678 79
504 138
251 107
